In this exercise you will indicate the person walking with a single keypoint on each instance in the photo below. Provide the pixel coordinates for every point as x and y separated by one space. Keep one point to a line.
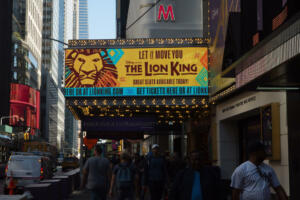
96 173
125 177
197 181
252 179
155 174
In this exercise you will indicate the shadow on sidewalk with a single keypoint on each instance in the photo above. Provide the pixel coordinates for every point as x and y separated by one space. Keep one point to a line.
80 195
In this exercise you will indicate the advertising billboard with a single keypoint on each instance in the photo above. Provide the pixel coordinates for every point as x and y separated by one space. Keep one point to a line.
24 107
136 72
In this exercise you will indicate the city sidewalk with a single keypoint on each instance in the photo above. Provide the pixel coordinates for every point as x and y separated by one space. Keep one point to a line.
85 195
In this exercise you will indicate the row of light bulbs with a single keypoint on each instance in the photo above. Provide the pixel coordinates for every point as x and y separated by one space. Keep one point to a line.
146 41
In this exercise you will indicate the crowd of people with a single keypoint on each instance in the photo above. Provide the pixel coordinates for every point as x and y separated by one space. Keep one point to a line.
153 176
158 177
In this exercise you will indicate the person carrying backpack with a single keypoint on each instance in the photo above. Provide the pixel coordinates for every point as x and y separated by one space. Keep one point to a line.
125 177
155 174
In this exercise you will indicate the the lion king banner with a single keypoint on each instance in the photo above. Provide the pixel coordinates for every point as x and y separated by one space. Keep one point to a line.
136 72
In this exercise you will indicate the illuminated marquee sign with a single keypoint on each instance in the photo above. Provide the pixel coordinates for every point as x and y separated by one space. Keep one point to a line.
136 72
165 14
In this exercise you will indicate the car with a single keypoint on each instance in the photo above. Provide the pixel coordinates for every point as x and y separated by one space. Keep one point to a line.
26 168
70 163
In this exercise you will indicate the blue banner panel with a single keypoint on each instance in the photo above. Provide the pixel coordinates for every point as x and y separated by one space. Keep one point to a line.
136 91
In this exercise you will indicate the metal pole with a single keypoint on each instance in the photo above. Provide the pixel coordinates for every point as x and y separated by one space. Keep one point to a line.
81 151
57 41
183 146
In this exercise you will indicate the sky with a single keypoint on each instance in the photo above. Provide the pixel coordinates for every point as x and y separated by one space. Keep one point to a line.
102 19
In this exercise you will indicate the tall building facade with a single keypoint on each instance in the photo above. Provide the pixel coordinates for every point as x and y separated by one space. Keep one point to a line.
83 19
166 19
76 19
20 77
122 13
53 102
70 28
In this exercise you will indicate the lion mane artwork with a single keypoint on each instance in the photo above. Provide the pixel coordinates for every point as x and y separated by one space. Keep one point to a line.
90 68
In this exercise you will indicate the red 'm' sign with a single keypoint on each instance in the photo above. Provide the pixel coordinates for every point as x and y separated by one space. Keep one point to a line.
166 15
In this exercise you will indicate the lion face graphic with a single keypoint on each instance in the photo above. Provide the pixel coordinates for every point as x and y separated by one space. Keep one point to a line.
90 68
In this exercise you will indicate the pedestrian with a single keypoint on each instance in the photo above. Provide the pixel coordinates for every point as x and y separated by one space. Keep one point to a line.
96 173
155 174
125 177
176 165
197 181
252 179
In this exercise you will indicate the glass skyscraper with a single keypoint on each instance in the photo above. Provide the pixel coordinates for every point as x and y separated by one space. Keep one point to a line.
20 73
83 19
52 98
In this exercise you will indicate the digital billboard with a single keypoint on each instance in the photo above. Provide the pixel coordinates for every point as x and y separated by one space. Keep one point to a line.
136 72
24 107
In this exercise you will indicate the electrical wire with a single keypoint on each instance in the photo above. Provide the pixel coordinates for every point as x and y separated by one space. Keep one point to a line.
142 15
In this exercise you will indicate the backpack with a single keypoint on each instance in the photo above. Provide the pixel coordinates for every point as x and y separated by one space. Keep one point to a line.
124 177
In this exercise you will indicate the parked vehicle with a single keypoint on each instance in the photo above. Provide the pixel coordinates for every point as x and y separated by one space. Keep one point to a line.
26 168
42 148
70 163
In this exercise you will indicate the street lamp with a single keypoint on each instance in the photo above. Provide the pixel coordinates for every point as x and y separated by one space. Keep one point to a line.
57 41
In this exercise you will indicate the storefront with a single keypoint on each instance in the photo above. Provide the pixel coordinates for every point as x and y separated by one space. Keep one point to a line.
249 117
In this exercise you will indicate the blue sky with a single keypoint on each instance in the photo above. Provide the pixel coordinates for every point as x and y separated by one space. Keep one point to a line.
102 19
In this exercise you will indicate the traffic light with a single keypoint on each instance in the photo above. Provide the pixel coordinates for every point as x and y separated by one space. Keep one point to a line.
120 148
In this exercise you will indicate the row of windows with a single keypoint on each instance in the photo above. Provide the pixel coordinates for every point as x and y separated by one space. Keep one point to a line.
34 11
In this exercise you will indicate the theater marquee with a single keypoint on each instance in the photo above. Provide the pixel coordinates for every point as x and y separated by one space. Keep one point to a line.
136 72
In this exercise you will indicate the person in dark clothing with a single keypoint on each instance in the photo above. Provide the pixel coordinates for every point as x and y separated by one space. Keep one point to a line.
197 182
96 173
155 174
125 177
176 165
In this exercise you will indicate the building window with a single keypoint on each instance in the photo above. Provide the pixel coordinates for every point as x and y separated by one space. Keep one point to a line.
15 61
15 76
15 47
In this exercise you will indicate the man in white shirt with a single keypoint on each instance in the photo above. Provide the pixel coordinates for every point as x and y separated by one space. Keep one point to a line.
253 178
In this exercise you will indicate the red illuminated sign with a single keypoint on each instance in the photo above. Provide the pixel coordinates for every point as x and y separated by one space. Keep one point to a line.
24 107
162 13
